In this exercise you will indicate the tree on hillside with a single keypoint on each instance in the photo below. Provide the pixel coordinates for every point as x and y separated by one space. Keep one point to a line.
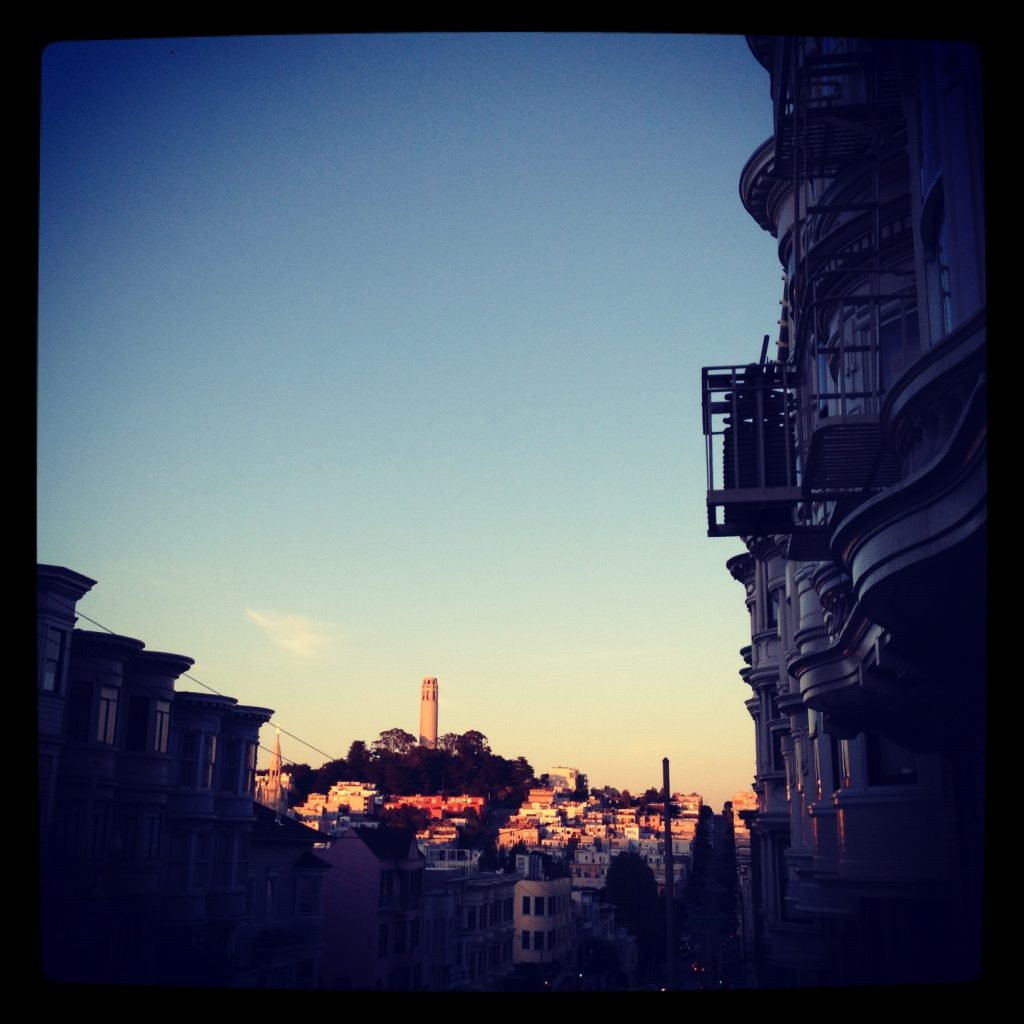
394 741
302 777
472 744
328 774
406 816
358 760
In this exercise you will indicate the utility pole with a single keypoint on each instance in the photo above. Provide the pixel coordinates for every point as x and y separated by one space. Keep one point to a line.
670 951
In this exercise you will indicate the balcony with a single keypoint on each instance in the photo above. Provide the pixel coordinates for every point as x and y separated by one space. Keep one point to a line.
749 414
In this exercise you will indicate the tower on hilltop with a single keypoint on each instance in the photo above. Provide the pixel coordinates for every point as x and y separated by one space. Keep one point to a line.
428 713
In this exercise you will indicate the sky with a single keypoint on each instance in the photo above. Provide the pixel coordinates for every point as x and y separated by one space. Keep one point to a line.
368 358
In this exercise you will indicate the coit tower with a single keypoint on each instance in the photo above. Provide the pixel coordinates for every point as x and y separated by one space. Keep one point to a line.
428 713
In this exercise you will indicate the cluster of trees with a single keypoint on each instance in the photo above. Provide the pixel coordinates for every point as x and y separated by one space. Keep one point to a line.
400 766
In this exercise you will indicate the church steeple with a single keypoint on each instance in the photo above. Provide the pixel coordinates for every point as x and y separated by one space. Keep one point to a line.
274 771
270 790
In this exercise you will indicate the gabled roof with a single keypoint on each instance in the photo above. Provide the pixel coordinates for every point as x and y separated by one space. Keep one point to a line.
391 843
269 828
311 860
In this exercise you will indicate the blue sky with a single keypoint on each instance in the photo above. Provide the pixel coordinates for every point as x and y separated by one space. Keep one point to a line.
365 358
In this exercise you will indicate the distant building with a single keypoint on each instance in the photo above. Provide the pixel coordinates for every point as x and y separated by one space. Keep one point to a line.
563 779
469 923
543 920
428 713
438 806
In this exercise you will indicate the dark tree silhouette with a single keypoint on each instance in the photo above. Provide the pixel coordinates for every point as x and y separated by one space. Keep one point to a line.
634 892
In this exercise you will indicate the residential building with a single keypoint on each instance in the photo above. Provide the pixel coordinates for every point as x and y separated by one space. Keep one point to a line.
853 465
563 780
149 837
439 806
608 955
280 944
468 924
543 919
373 911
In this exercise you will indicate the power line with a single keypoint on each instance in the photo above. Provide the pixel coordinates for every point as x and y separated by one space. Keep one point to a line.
194 679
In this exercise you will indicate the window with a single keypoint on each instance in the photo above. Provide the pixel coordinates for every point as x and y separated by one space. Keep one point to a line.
778 754
106 725
538 940
250 768
526 906
525 939
942 259
53 659
163 722
399 936
538 906
471 918
209 761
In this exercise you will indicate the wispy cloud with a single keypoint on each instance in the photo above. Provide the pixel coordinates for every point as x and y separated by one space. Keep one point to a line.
299 635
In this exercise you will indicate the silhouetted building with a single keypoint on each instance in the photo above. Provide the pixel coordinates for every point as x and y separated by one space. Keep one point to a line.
854 466
148 845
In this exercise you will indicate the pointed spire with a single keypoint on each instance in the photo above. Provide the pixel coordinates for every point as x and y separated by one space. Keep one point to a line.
275 797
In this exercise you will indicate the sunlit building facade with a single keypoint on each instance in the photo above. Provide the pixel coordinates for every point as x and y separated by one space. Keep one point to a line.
853 465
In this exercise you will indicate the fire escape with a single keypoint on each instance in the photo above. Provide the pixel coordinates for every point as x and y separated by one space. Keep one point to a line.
799 440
